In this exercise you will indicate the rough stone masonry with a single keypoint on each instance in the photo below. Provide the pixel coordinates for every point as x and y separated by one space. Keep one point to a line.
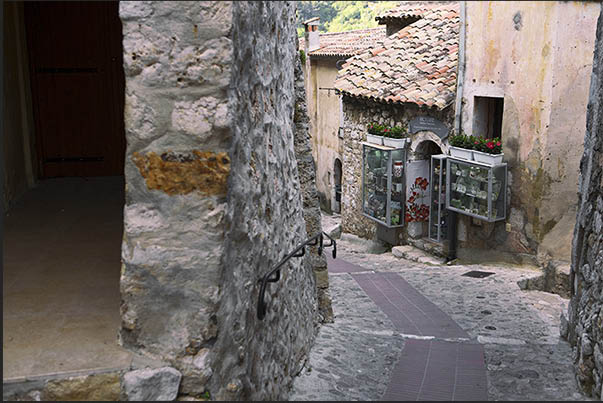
585 313
214 197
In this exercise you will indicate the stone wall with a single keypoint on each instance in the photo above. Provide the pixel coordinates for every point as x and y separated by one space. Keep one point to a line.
253 359
177 62
357 116
585 313
213 197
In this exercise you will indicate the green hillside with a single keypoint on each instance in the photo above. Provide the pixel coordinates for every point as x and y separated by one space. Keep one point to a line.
338 16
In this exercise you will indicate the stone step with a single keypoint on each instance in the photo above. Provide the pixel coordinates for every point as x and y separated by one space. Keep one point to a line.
411 253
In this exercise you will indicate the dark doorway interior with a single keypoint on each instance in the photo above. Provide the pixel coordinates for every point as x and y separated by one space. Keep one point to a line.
77 84
488 113
337 175
424 152
62 239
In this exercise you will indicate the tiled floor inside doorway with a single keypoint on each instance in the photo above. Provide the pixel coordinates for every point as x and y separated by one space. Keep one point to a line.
62 243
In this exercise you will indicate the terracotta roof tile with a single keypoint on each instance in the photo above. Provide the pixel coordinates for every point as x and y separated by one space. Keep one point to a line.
348 43
408 9
417 64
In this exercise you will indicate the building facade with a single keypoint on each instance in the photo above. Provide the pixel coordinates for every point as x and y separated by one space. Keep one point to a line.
325 53
532 61
525 83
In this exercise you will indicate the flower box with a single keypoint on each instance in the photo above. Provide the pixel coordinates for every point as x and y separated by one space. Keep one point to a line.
396 143
371 138
490 159
462 153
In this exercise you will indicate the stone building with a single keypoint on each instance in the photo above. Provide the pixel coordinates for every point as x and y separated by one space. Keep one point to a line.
325 53
411 74
190 118
585 327
531 93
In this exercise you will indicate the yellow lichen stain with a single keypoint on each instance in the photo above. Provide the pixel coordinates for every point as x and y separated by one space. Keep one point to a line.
492 56
560 167
183 173
546 49
489 11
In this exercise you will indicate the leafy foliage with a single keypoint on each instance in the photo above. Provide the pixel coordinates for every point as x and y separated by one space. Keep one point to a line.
396 132
339 16
491 146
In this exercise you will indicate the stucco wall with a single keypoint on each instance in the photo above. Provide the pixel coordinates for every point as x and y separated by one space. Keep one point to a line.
307 176
537 55
17 123
585 328
325 110
358 115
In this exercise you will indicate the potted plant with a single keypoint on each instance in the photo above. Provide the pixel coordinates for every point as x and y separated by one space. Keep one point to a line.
488 151
461 146
395 137
375 134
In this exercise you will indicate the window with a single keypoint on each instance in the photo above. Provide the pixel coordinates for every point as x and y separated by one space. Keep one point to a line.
487 117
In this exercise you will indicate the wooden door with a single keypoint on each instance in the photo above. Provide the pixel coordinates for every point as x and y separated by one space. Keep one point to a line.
77 80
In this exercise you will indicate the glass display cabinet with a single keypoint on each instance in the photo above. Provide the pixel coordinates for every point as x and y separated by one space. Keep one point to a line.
383 184
477 189
438 217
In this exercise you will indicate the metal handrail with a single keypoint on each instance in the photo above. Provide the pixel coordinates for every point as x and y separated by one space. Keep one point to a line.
298 252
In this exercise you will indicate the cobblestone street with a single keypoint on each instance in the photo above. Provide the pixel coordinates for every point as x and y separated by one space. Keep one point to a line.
363 354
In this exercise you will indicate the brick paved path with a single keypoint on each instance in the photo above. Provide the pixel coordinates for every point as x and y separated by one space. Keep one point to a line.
443 364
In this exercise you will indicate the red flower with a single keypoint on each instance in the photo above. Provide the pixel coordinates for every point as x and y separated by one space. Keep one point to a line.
490 145
498 143
475 142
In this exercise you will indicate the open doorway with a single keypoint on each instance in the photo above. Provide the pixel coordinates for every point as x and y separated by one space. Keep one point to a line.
337 175
63 236
419 189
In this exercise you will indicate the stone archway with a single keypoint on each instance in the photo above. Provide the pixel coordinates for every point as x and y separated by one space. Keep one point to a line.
425 135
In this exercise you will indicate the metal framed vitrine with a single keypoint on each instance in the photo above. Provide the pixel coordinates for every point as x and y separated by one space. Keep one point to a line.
438 214
476 189
383 184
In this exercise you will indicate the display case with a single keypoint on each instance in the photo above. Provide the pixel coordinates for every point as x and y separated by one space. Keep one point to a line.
383 186
438 217
477 189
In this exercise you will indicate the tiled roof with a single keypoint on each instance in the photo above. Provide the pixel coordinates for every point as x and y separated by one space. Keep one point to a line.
347 43
415 65
408 9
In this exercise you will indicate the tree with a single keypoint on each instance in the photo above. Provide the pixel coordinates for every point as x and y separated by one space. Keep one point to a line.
339 16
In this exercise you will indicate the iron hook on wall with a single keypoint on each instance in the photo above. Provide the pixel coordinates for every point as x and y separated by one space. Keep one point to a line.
274 274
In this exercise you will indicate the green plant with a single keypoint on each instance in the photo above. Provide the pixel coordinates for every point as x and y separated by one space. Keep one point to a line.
479 144
302 56
458 140
469 142
396 132
376 129
493 146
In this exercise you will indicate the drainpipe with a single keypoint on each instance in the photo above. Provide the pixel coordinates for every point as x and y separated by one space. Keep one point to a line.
460 77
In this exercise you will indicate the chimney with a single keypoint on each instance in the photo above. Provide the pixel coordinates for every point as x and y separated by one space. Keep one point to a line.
311 34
